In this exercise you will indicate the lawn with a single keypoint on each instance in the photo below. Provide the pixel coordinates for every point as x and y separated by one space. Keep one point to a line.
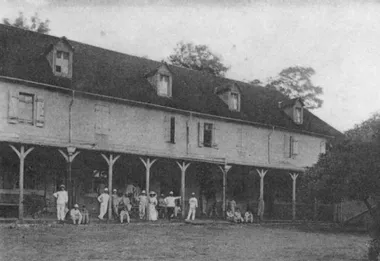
176 242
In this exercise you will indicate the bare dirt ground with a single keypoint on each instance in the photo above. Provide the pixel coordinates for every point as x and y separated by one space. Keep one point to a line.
176 242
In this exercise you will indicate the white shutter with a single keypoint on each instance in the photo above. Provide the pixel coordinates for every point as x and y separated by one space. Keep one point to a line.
200 134
295 149
239 136
166 128
13 107
40 111
323 147
98 122
215 136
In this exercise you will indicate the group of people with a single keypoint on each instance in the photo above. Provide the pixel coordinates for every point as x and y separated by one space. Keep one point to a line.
234 214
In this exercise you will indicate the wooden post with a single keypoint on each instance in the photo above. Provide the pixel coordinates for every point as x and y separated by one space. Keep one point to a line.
21 155
148 164
110 161
183 168
261 202
294 178
224 170
69 157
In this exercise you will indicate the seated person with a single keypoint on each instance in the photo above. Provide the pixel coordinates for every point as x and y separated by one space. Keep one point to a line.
124 214
230 215
248 217
85 215
238 218
75 215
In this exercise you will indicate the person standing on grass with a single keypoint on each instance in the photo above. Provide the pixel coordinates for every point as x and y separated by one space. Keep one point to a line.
260 209
143 203
115 203
233 206
62 200
103 200
152 206
85 215
193 204
75 215
170 204
161 206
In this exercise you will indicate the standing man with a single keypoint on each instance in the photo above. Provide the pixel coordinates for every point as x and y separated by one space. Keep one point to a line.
103 200
161 206
170 204
62 200
143 204
233 206
193 204
115 203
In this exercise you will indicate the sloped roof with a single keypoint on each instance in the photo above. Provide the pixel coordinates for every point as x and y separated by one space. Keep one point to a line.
100 71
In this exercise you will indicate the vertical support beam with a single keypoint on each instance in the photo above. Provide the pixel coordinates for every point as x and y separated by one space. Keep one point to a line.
183 168
262 174
21 155
69 158
294 178
148 164
224 170
110 161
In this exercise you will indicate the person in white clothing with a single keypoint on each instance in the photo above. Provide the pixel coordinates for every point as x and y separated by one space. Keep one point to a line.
170 204
103 199
153 214
193 204
62 200
75 215
143 203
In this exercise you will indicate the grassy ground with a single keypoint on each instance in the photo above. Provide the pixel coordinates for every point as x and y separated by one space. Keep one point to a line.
165 241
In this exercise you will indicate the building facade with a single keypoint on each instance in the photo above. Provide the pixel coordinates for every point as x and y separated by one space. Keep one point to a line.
70 103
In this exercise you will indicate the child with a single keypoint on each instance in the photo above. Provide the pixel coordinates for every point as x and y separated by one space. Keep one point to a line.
85 215
230 215
238 218
248 217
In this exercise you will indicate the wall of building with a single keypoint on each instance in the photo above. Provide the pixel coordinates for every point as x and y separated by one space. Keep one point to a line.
139 130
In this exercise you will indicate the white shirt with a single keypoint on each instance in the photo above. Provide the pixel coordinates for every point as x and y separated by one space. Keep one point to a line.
75 212
103 198
193 202
143 200
170 201
61 196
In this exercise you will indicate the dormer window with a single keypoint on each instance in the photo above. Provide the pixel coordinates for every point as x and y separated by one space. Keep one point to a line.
294 109
298 115
62 62
235 101
60 58
163 85
161 80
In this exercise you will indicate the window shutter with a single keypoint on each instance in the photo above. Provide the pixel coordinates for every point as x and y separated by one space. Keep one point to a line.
200 134
13 107
166 128
98 123
295 147
323 147
240 138
40 110
287 146
215 135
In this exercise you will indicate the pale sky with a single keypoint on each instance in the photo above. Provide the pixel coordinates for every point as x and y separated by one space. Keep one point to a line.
257 39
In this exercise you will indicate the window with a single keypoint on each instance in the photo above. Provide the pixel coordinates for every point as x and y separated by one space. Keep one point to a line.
298 116
172 130
163 85
207 134
293 147
26 108
235 101
62 62
322 147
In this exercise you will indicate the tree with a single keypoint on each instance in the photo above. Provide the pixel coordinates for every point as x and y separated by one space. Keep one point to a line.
367 131
197 57
36 24
295 82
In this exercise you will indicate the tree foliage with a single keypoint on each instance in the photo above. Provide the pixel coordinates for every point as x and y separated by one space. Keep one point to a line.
295 82
35 23
367 131
197 57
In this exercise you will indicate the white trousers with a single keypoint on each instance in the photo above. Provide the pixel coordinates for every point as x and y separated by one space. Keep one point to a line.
103 209
61 211
191 213
142 209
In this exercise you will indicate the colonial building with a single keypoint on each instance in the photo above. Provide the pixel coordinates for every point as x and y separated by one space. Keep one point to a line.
90 117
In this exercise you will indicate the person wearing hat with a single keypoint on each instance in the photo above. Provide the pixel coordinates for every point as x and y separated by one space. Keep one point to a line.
103 200
152 206
143 203
62 200
75 215
170 204
115 202
193 204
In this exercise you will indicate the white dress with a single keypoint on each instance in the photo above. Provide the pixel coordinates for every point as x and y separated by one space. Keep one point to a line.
152 208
